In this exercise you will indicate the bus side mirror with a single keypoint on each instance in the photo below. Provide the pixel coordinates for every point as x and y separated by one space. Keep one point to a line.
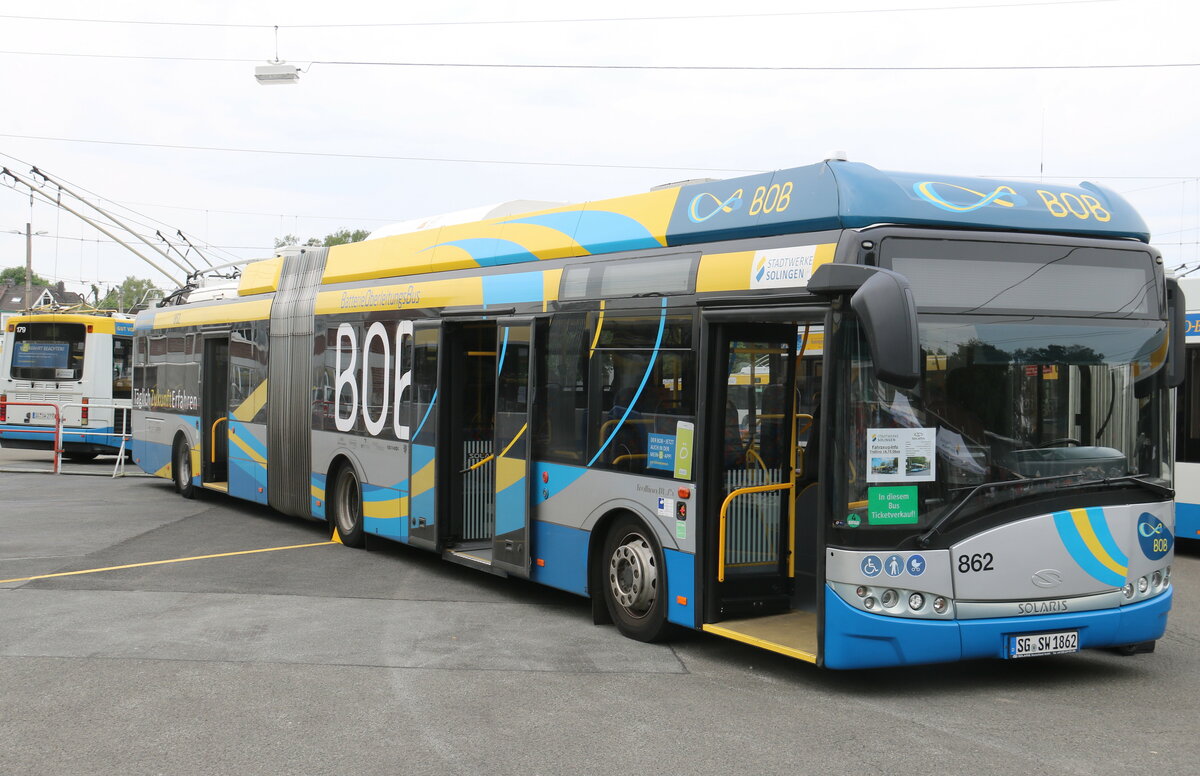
883 301
1177 321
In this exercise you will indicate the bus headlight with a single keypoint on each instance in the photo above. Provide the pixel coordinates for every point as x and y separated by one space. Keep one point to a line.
862 591
1143 584
1156 580
940 605
916 602
869 602
1128 590
889 598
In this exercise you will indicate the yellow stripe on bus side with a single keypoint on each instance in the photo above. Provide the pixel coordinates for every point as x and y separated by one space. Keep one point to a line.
253 403
1088 534
461 292
237 312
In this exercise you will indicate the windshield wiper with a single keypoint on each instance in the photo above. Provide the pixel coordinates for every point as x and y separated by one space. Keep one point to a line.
951 513
1150 485
1153 487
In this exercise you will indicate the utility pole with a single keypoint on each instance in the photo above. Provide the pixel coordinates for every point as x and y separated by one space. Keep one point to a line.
28 266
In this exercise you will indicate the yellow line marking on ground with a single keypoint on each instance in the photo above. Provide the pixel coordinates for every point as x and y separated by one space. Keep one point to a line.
161 562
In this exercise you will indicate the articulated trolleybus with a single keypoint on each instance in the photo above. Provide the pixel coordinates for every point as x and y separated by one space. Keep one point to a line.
80 362
847 415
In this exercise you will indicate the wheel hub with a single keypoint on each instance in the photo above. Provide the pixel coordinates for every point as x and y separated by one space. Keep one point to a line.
633 575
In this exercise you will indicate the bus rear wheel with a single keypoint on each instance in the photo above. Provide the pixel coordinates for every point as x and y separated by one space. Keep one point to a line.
634 580
181 469
348 507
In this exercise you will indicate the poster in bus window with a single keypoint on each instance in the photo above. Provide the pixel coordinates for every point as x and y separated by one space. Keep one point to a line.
901 454
42 355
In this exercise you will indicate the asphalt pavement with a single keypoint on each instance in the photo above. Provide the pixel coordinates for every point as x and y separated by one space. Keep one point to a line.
322 659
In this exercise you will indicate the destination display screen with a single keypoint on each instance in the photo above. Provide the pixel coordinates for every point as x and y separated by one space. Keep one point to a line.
1025 277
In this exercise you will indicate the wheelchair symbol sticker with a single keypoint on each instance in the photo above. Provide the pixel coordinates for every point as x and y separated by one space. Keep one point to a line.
871 566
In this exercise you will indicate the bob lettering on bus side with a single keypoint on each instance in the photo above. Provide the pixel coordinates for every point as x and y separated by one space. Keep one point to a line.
347 409
1082 206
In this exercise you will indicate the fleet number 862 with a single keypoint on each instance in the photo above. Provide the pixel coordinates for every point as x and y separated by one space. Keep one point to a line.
976 562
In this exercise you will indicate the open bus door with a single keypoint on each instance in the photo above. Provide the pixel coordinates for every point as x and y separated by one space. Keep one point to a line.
423 417
214 415
762 506
514 401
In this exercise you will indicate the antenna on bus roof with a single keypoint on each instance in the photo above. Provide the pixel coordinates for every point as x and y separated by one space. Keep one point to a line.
836 156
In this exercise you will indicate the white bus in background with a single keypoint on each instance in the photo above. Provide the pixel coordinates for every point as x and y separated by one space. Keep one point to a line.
1187 424
80 362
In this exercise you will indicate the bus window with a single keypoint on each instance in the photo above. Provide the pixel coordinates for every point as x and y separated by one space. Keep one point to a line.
562 434
48 351
643 394
1188 414
122 364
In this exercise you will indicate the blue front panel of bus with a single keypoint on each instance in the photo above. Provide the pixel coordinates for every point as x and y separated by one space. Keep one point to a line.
858 639
1187 520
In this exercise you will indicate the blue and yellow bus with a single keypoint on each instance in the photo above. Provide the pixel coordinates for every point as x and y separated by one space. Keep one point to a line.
80 362
847 415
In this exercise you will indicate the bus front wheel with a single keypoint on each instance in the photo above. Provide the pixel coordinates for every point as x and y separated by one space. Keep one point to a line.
348 507
182 470
634 580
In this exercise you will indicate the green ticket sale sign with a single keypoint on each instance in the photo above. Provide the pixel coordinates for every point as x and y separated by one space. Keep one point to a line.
892 505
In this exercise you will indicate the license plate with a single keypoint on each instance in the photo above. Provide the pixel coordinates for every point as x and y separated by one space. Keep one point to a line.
1033 645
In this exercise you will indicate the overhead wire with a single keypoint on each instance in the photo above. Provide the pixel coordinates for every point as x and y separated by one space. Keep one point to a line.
660 68
590 20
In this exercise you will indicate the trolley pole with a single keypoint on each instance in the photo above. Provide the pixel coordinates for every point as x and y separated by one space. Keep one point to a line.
28 266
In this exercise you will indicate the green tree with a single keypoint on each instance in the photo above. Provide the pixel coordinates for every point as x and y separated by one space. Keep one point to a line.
17 276
129 294
340 237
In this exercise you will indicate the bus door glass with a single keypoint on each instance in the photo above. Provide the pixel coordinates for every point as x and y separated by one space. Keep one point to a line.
511 446
214 416
753 447
423 418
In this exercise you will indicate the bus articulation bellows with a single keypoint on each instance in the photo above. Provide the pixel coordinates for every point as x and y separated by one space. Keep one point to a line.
861 418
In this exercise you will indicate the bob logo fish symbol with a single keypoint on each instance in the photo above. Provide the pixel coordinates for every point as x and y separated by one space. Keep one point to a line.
1153 536
960 199
713 204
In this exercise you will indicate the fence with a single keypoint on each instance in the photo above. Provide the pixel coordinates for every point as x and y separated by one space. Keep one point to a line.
121 431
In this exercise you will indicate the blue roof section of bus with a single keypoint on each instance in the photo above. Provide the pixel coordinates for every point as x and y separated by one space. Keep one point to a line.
829 196
836 194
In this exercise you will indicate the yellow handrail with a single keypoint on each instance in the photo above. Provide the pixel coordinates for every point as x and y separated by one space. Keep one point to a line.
725 509
213 436
752 454
477 464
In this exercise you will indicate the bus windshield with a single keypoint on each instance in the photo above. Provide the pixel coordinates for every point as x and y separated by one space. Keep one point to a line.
1026 406
48 351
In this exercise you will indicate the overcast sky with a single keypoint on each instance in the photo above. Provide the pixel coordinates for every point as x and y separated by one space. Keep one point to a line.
464 137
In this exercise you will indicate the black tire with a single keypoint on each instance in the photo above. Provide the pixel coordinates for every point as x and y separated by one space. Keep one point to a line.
181 469
633 577
347 508
79 457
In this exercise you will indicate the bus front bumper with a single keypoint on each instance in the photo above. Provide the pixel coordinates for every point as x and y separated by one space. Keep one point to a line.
857 639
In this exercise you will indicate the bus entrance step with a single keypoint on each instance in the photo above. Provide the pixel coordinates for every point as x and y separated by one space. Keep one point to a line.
793 633
476 559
